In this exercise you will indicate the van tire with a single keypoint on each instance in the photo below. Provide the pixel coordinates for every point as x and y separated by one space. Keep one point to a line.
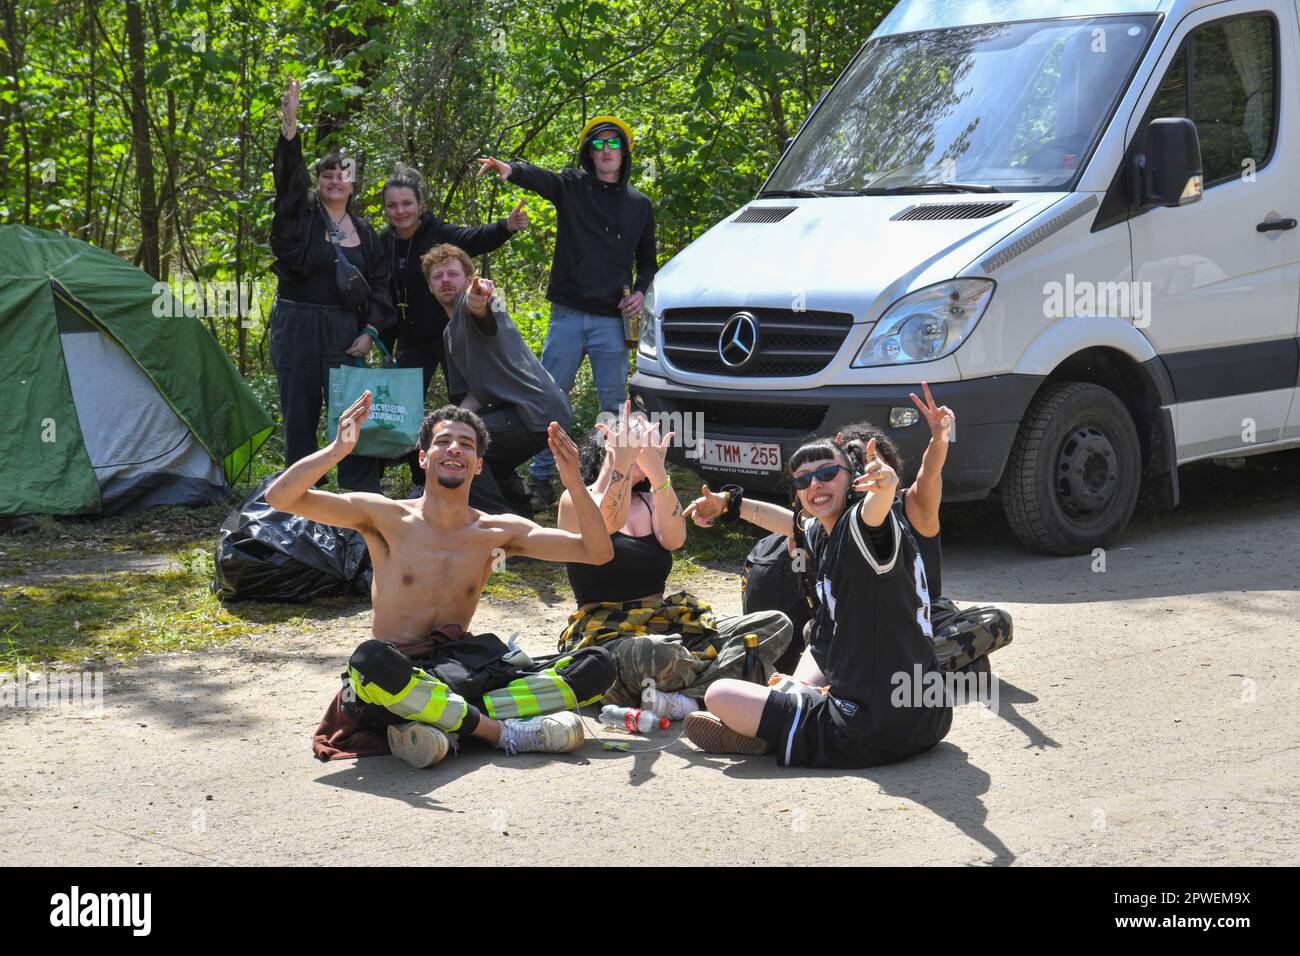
1072 479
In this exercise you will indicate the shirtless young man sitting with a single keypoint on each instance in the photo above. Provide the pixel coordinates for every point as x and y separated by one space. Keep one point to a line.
431 556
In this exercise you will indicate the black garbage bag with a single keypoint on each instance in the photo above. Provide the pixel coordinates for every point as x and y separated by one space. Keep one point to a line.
269 555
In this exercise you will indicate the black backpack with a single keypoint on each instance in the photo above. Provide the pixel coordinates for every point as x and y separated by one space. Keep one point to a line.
769 582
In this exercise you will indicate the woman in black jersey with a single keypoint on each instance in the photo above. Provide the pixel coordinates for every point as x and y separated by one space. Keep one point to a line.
868 689
963 638
669 650
316 325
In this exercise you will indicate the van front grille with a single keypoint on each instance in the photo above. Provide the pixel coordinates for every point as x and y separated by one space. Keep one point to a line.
790 343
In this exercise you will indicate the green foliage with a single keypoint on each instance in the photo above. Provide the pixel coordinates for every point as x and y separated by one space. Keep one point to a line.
711 88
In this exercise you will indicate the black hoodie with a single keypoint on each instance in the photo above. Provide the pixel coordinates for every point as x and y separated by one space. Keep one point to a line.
425 316
601 229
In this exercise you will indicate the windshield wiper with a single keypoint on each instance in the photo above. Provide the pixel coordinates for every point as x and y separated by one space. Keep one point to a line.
928 188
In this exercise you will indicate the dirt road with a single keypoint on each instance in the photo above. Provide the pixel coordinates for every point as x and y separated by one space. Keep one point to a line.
1148 714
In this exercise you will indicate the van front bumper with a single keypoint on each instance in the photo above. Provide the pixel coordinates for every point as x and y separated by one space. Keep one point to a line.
988 412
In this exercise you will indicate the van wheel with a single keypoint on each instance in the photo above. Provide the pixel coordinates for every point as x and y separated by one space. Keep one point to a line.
1072 479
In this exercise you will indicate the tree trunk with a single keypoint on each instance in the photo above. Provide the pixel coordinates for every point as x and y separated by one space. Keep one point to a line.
92 41
14 35
141 143
241 341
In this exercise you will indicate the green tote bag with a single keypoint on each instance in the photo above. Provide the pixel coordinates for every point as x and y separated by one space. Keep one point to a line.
396 408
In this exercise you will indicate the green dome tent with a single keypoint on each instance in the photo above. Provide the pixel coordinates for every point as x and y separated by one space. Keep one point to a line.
107 408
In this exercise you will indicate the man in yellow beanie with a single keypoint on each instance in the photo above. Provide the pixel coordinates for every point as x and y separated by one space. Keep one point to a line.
604 228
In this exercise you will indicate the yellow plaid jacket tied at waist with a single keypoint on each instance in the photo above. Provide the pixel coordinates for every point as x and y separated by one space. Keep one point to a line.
681 613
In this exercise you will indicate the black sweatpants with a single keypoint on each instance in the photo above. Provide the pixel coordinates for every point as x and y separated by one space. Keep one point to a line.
512 444
306 342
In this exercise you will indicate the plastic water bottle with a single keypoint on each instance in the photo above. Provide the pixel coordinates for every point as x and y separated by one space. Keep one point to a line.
515 654
632 719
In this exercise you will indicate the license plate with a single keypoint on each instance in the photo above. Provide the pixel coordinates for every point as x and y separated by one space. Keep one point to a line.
741 456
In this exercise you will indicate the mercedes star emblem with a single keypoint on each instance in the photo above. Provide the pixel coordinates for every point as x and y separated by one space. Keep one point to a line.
738 343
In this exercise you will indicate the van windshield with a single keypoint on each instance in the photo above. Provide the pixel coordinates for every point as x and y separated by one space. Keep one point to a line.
1011 106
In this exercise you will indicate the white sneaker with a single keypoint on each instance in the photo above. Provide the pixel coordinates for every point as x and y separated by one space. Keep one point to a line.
674 706
552 734
420 745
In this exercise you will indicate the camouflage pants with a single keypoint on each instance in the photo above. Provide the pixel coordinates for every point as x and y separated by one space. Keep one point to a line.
963 636
690 664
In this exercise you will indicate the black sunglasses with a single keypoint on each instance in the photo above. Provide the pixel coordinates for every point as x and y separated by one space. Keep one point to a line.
823 474
613 143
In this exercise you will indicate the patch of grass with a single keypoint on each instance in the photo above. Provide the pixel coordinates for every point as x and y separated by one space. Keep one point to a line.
70 621
523 578
153 532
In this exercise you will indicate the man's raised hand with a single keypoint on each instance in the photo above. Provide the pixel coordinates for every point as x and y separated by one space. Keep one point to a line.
566 457
479 294
350 425
502 169
518 218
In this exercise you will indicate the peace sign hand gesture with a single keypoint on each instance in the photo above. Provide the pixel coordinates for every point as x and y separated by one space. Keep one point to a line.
942 421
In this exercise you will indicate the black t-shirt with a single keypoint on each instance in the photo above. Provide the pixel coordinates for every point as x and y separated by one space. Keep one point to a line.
871 634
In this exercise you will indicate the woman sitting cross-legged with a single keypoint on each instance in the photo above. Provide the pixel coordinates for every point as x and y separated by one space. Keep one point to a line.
868 689
963 637
668 650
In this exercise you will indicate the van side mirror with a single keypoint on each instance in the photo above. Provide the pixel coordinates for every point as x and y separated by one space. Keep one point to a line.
1171 168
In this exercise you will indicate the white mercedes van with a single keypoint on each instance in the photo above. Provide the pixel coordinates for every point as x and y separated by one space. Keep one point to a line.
1074 218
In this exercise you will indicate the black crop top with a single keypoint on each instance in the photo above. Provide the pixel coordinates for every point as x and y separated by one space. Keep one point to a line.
640 566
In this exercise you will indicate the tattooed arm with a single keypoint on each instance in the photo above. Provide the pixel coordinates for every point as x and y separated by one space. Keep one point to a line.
612 488
666 509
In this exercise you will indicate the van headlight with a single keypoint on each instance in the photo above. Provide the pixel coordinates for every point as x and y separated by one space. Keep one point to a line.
927 324
648 340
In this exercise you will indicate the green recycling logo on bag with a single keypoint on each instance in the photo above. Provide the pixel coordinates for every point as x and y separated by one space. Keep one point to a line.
396 407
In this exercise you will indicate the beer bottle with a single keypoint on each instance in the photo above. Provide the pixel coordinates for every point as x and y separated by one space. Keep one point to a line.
752 670
632 326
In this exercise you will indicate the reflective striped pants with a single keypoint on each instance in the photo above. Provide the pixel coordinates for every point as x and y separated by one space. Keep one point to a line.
380 675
